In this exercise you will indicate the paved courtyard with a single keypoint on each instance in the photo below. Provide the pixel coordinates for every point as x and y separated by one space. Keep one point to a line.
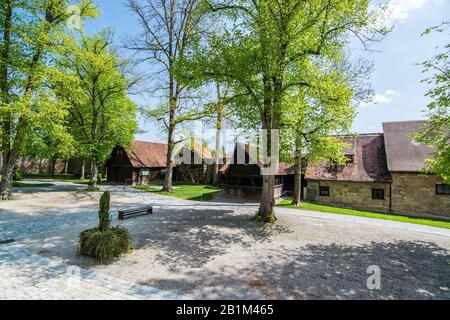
213 250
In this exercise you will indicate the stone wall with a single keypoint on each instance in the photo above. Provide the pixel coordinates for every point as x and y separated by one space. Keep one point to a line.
40 166
356 195
416 193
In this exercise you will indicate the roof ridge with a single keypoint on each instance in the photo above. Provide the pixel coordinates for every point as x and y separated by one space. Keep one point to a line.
137 140
405 121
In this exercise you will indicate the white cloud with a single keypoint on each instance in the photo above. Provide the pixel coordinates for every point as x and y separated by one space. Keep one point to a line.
387 97
398 11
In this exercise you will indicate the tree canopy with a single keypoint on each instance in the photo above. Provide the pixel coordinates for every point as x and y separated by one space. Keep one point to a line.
91 80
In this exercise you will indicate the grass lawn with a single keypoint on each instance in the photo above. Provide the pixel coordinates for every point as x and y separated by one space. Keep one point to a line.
17 184
188 192
62 178
375 215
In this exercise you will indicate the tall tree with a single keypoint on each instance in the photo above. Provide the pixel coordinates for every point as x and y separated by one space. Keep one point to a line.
263 54
315 116
221 114
437 133
169 27
31 31
91 79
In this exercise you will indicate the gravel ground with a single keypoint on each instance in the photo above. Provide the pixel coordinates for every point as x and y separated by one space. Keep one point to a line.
215 250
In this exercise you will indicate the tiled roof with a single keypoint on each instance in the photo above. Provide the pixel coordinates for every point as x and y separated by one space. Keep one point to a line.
369 162
143 154
403 153
250 153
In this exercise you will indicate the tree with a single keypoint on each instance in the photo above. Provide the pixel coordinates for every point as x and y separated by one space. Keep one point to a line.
311 119
31 31
315 116
263 54
93 83
169 28
438 132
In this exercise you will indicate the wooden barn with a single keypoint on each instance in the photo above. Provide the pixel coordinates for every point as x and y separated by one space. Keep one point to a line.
196 166
241 176
142 163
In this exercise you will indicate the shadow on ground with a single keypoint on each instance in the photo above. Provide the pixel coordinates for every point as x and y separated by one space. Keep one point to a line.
193 245
409 270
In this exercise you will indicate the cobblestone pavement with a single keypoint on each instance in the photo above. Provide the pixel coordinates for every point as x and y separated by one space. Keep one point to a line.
28 276
207 250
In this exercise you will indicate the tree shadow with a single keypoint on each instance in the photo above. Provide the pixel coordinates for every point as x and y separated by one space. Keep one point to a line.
191 237
409 270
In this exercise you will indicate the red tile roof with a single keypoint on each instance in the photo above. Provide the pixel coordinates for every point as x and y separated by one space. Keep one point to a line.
369 162
143 154
402 152
250 153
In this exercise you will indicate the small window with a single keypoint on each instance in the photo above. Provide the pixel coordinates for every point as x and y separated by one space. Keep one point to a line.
378 194
443 189
324 191
145 172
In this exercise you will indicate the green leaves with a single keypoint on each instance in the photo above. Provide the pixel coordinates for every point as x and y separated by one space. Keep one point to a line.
437 133
90 81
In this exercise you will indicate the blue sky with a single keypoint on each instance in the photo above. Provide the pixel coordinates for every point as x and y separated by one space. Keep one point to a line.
400 95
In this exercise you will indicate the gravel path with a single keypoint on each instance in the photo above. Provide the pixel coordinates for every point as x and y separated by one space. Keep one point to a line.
216 250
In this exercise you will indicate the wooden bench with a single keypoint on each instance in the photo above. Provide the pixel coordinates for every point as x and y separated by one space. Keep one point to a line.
135 212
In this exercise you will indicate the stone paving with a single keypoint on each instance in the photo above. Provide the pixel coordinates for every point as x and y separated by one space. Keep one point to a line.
32 277
207 250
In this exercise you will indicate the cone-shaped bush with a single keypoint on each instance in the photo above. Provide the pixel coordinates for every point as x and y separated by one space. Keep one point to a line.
105 243
103 214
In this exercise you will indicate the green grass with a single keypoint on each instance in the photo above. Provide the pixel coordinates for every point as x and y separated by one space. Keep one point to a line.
17 184
187 192
368 214
61 178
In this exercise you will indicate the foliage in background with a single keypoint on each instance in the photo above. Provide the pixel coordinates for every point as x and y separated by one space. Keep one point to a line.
92 81
437 134
31 119
18 175
168 30
263 50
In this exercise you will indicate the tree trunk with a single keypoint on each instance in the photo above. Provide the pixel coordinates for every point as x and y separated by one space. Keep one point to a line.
66 166
168 179
298 184
267 202
94 174
83 170
9 159
217 160
53 166
219 156
4 96
298 175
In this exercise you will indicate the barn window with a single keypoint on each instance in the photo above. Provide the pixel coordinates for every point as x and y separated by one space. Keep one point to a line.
324 191
378 194
443 189
145 172
350 159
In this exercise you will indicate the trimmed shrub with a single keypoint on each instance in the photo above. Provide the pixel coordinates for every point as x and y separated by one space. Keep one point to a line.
105 246
105 243
103 213
17 175
91 187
